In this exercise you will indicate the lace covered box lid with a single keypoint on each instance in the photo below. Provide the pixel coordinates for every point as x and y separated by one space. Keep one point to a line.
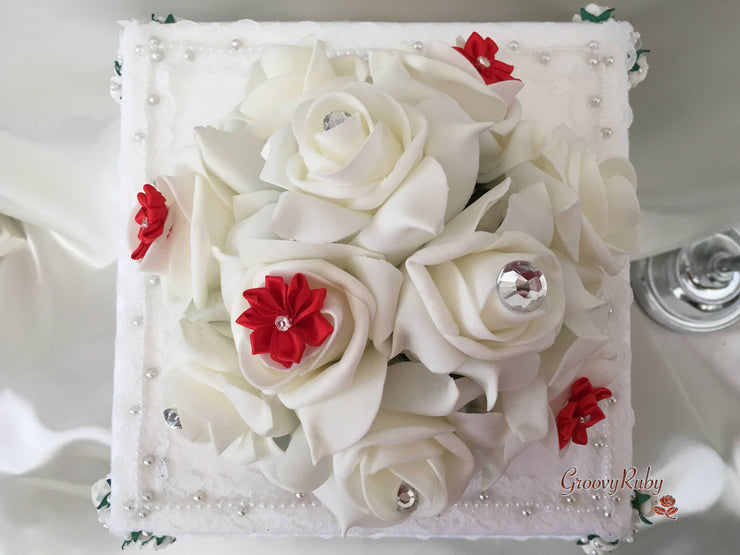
179 76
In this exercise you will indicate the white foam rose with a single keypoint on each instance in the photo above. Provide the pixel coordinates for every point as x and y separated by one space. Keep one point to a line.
450 316
386 178
284 76
345 374
594 202
214 403
411 76
410 443
199 217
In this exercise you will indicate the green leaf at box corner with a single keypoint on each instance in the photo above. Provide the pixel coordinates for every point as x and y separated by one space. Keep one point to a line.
603 16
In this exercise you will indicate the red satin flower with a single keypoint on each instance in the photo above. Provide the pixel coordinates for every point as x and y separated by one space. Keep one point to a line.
151 217
285 318
581 412
482 54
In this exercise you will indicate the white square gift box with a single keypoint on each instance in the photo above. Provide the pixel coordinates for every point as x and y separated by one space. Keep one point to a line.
215 434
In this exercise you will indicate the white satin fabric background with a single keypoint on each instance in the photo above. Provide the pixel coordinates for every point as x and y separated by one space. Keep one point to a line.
58 148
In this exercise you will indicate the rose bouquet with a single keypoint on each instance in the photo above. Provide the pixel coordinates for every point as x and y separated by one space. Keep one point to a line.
386 281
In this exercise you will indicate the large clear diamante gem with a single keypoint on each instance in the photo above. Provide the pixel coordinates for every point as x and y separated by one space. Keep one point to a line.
172 419
407 498
332 119
283 323
522 287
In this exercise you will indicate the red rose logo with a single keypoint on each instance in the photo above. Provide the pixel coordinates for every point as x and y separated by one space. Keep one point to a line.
667 509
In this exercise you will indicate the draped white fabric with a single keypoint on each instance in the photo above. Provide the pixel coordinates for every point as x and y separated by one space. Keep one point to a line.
58 144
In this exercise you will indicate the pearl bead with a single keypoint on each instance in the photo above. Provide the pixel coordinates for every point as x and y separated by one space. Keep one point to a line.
599 442
128 507
138 49
609 60
152 100
134 410
608 514
606 132
115 86
593 45
143 514
241 511
527 512
570 499
236 44
148 460
137 321
595 101
199 496
155 42
139 136
545 58
483 61
617 499
153 280
300 495
189 55
483 496
147 496
596 497
513 45
418 45
157 55
612 400
593 62
151 373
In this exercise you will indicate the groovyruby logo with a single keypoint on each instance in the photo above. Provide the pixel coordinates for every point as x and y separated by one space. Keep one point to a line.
667 507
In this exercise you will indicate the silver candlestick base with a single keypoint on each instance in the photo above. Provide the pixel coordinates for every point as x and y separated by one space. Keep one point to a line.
693 289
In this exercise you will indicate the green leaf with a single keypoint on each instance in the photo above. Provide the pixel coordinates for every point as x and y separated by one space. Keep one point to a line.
117 68
170 18
604 16
636 67
104 502
638 499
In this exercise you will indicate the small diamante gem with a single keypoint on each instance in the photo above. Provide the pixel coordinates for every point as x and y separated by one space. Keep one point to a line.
595 101
606 132
172 419
283 323
332 119
407 498
483 61
521 286
418 45
151 373
584 419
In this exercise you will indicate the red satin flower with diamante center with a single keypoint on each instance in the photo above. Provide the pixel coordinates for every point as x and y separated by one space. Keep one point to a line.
285 318
150 217
482 54
581 412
